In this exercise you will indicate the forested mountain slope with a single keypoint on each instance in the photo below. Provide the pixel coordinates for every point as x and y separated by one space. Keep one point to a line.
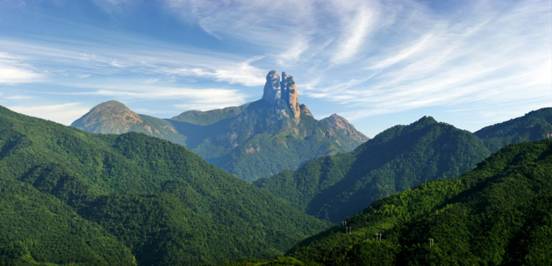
36 227
498 214
535 125
399 158
164 203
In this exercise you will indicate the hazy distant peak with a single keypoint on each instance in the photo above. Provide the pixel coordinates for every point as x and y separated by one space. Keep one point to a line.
109 117
337 120
336 124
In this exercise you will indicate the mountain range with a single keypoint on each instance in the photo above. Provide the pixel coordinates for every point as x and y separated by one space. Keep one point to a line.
498 214
533 126
401 157
335 187
254 140
72 197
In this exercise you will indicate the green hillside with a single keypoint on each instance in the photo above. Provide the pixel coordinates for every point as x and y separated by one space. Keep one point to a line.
163 202
37 228
535 125
399 158
498 214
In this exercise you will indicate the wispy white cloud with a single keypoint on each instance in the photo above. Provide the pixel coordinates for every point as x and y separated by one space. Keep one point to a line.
15 97
265 24
293 54
190 98
86 59
13 71
172 92
405 53
64 113
353 38
186 98
362 57
491 55
333 31
240 73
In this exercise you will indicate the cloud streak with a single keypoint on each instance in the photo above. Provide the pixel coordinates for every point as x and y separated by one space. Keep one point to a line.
352 39
13 71
493 54
88 58
364 59
64 113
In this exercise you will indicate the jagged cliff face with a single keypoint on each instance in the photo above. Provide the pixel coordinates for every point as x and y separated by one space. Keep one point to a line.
281 92
272 93
254 140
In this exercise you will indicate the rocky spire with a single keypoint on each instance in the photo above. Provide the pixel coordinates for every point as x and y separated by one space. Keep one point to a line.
282 92
272 92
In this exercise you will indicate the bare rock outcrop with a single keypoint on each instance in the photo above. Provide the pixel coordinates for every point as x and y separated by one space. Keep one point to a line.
281 91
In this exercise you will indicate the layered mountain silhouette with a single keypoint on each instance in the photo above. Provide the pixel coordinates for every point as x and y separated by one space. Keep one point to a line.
399 158
498 214
71 197
255 140
335 187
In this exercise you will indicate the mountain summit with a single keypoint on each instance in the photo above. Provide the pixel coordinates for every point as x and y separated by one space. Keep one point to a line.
282 92
113 117
109 117
254 140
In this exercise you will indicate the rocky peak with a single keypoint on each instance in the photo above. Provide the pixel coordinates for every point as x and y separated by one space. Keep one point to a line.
272 92
281 91
111 106
338 121
115 108
109 117
336 124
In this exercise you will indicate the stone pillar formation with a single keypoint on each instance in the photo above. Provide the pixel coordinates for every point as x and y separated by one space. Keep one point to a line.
282 92
272 92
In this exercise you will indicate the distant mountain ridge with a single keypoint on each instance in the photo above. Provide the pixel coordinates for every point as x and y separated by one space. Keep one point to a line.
335 187
535 125
255 140
401 157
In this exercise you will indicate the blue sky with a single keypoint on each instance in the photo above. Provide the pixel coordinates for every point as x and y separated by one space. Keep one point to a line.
377 63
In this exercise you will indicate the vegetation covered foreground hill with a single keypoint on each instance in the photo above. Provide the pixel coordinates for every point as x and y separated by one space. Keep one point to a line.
535 125
68 196
399 158
36 227
498 214
254 140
